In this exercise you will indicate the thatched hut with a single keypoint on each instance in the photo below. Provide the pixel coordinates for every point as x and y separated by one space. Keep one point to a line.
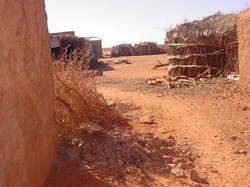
68 46
146 48
205 46
122 50
96 46
62 41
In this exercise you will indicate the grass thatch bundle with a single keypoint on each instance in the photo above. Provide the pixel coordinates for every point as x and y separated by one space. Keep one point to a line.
76 98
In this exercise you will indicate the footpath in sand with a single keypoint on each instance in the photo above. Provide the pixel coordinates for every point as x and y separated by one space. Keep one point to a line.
202 128
212 118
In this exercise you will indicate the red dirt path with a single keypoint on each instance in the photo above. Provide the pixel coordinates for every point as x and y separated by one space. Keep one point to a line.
213 118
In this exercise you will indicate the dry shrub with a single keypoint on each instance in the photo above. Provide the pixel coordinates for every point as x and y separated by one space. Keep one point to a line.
76 98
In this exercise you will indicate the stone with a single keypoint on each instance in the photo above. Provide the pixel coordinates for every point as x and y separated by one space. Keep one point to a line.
120 163
28 134
172 165
112 162
156 163
110 103
149 145
188 155
92 74
149 135
233 138
167 159
190 165
194 176
98 73
91 128
178 160
114 153
86 167
136 145
89 157
240 151
72 153
144 157
154 154
146 165
197 185
165 170
142 140
167 150
177 172
105 164
146 151
157 152
146 119
171 143
245 108
184 166
155 169
214 170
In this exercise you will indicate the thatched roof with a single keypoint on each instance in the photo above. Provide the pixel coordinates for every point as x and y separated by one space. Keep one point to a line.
217 23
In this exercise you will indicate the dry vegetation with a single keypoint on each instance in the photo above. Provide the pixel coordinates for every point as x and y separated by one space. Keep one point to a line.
76 100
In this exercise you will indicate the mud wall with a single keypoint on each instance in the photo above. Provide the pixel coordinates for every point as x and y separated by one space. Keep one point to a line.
27 128
244 49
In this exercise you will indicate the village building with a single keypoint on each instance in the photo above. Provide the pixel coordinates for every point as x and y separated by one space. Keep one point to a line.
61 41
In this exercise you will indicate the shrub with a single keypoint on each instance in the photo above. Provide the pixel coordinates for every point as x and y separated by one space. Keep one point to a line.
76 98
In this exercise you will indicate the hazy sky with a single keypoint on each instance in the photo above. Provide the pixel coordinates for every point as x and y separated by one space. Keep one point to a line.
131 21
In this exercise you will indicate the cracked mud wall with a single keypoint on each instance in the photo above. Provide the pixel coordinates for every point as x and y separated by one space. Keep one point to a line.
244 49
27 127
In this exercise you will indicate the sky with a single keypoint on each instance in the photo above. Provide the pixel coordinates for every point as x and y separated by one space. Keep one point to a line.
131 21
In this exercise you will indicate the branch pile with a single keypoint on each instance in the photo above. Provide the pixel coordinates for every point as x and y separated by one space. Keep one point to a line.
175 82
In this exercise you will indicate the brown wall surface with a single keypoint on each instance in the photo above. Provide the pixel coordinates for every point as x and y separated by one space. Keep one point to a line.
27 128
244 49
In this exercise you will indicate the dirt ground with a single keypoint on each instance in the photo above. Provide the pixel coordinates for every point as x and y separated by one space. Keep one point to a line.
212 118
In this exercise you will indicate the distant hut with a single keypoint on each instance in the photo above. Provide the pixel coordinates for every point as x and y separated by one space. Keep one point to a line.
146 48
60 42
122 50
96 46
66 43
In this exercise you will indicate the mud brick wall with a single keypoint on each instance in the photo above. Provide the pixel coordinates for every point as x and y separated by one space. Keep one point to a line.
27 128
244 49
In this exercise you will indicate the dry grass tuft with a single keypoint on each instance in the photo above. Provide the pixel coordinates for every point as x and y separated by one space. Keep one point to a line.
77 100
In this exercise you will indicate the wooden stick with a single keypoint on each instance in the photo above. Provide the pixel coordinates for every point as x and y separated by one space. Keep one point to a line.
159 62
158 66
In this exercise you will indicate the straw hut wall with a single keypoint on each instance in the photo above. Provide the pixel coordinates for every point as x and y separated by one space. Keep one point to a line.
204 47
146 48
122 50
